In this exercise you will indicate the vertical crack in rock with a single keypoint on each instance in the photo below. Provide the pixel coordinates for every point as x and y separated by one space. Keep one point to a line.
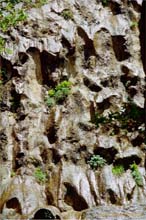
142 29
89 49
120 48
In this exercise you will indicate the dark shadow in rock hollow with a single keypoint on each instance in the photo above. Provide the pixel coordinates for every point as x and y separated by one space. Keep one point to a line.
142 30
14 204
73 199
115 8
127 161
120 48
89 49
45 214
106 153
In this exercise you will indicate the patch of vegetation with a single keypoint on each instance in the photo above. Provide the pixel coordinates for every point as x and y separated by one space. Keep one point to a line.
39 3
67 14
129 118
11 16
134 24
3 75
2 44
105 2
13 174
136 174
40 175
96 161
57 95
50 101
99 119
118 170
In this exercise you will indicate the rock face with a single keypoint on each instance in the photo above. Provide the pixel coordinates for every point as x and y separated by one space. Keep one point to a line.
46 150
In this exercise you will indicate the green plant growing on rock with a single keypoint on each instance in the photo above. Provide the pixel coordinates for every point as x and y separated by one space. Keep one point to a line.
50 101
99 119
118 170
134 111
62 90
39 3
11 16
2 44
105 2
57 95
13 174
3 75
96 161
134 24
129 118
40 175
67 14
136 174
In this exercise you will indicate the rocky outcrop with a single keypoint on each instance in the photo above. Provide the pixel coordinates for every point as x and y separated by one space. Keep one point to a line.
114 212
46 149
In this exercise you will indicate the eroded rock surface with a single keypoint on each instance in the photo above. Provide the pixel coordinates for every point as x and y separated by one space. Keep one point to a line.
45 150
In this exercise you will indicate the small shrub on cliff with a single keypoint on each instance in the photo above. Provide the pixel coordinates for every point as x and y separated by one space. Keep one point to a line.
13 174
105 2
118 170
99 119
67 14
3 75
11 16
2 44
57 95
134 24
96 161
40 175
136 174
62 90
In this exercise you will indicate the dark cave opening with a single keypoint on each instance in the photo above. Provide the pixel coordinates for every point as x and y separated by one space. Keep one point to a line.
66 44
6 70
112 196
106 153
55 156
51 65
14 204
51 133
120 48
138 140
15 101
89 49
129 83
115 8
73 199
105 104
91 85
19 160
45 214
127 161
23 57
